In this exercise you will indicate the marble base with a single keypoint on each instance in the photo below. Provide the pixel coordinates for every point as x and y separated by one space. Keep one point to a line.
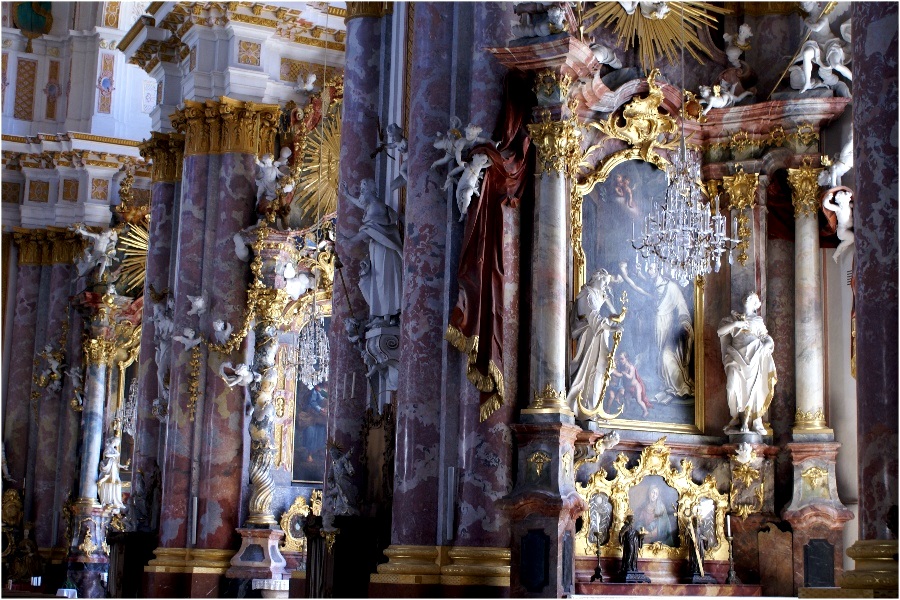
635 577
259 556
89 578
702 580
649 590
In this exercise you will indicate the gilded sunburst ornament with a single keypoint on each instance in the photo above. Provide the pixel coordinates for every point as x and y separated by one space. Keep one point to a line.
656 26
133 244
316 187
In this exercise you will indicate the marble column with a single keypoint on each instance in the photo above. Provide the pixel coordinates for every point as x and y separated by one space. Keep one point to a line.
88 560
875 227
347 389
809 422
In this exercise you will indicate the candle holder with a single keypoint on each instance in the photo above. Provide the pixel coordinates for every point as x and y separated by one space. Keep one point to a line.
732 578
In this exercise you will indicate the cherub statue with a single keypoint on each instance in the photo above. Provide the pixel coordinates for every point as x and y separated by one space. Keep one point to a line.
468 181
844 213
198 304
51 377
720 96
189 339
743 453
655 10
397 141
241 249
605 55
100 253
538 24
306 85
843 162
737 44
221 331
237 375
267 175
454 143
76 374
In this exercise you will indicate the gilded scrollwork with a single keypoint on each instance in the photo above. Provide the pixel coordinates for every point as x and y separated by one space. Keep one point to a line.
654 460
645 129
815 477
539 460
294 539
741 189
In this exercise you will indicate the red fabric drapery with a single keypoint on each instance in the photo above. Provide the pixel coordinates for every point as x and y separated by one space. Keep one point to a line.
475 326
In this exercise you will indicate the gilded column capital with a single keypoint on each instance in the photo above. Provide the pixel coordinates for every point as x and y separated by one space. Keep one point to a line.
367 9
227 125
557 142
804 182
166 152
39 247
98 351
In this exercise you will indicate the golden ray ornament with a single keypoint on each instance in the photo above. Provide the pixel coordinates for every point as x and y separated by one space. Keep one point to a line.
660 33
315 190
134 244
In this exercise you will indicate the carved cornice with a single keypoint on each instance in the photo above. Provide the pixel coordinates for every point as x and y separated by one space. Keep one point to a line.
166 152
38 247
227 125
805 185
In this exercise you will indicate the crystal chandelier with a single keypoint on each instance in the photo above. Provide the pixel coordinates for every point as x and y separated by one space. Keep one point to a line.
683 239
314 350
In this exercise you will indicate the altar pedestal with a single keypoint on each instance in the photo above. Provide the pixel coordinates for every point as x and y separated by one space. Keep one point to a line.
665 589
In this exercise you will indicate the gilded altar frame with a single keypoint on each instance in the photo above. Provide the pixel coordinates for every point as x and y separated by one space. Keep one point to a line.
654 460
645 130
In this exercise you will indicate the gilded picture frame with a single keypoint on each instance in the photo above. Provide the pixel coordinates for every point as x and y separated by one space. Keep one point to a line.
605 213
630 486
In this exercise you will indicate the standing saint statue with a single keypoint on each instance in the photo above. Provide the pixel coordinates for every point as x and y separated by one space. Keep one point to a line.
749 367
109 485
593 329
381 278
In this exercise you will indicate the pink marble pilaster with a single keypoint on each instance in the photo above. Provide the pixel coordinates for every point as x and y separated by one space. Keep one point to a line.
221 415
52 409
485 453
423 313
17 400
188 265
347 390
875 227
159 253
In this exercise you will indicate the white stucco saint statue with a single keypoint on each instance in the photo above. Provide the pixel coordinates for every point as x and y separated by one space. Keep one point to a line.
749 367
381 278
840 164
595 321
268 173
839 202
109 485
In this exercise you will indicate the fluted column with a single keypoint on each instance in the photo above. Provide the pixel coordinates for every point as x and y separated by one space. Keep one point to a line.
875 226
808 331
